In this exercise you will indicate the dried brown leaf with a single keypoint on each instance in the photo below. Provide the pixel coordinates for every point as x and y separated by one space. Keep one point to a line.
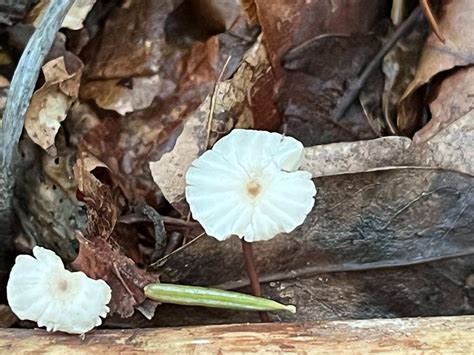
98 259
100 254
455 23
50 104
455 99
128 95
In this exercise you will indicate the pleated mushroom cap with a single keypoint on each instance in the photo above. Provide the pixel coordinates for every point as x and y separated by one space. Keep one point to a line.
42 290
248 185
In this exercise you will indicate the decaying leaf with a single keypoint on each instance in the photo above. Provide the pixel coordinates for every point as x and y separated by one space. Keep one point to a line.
455 99
100 253
169 172
77 14
452 149
455 22
176 77
50 104
102 211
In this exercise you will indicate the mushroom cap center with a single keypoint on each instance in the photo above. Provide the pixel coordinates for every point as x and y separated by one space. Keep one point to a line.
253 188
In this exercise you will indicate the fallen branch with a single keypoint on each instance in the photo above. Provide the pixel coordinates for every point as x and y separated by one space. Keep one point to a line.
18 99
451 335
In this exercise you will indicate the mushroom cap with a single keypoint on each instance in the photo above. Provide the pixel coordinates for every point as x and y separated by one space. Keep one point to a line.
42 290
248 185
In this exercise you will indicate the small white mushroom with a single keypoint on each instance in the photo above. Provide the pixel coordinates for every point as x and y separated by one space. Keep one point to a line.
248 185
42 290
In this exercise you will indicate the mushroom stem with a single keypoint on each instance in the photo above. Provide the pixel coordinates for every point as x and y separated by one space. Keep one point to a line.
247 249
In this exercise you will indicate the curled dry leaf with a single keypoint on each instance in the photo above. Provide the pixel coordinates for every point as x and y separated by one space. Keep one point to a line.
455 23
77 14
169 172
100 254
50 104
454 100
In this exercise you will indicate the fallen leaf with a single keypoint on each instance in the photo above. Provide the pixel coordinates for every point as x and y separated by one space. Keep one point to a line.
185 76
98 259
77 14
50 104
124 96
456 26
451 149
45 199
315 49
100 253
454 100
382 222
169 172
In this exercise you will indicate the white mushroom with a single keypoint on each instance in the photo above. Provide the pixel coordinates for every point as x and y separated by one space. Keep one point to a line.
42 290
248 185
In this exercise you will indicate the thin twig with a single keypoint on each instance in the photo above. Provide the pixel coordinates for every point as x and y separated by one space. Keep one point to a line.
355 87
431 19
213 101
349 267
252 275
19 95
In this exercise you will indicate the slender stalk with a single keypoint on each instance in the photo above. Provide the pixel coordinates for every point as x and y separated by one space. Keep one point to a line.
252 275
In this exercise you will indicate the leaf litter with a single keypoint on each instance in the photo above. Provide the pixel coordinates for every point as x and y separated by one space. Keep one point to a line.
133 92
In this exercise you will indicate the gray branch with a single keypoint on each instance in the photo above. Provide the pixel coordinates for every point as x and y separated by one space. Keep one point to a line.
19 95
